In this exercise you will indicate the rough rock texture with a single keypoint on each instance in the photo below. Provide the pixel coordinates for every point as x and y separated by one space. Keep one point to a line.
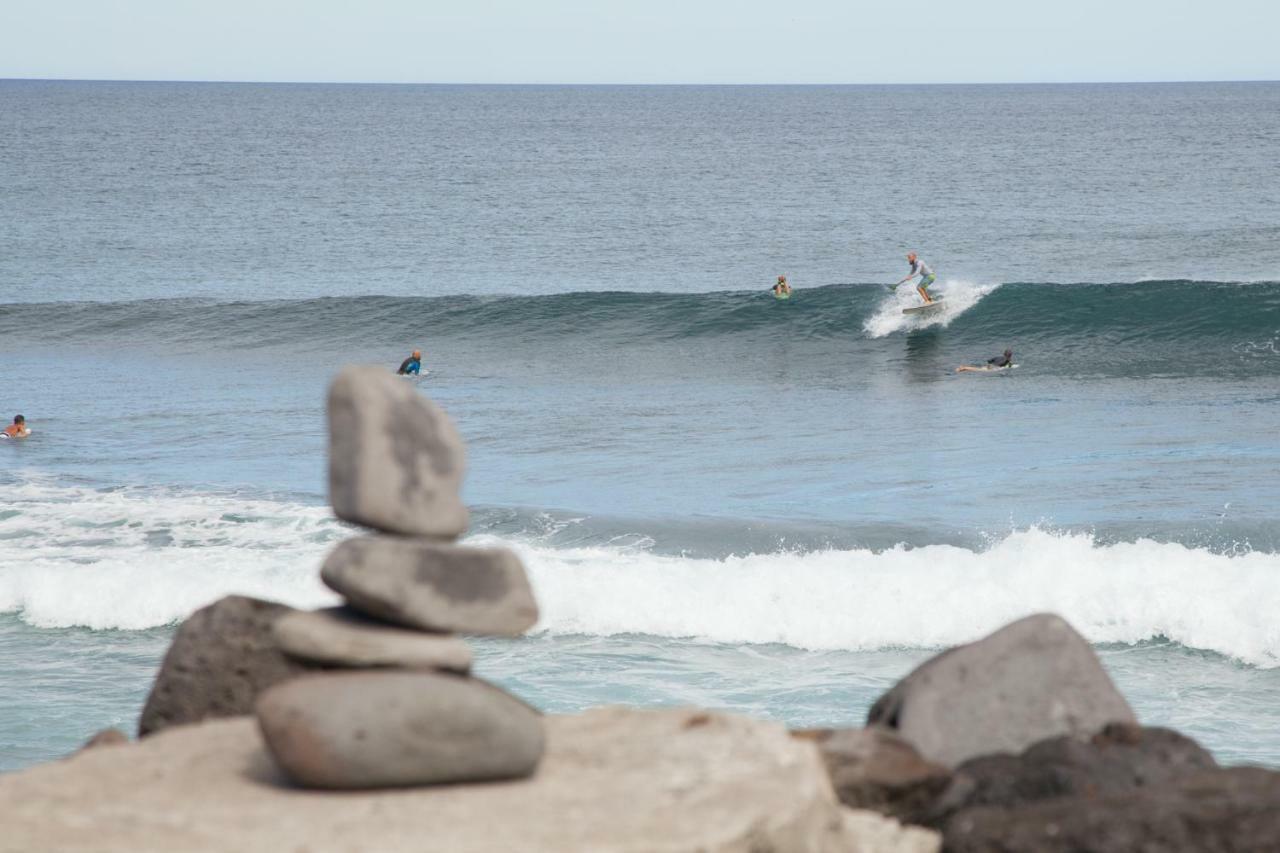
434 586
875 769
221 658
106 737
1122 757
1031 680
395 460
395 727
341 637
613 781
1235 810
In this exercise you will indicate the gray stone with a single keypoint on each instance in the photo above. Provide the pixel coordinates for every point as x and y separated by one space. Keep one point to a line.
341 637
875 769
220 659
1033 679
1233 810
358 730
433 585
395 459
613 780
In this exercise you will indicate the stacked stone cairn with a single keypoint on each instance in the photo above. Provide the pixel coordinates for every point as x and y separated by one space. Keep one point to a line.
394 704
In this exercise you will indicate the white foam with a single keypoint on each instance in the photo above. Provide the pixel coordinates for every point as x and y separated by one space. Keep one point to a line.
957 297
919 597
139 558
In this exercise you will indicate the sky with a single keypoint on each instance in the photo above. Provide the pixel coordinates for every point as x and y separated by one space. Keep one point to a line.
650 41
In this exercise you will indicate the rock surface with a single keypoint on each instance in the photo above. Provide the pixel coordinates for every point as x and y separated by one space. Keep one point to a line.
395 459
339 636
1120 758
875 769
106 737
1236 809
432 585
395 727
220 659
1035 678
613 781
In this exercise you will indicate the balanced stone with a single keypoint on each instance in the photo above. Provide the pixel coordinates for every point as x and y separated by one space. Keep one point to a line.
432 585
221 658
1031 680
395 460
395 728
341 637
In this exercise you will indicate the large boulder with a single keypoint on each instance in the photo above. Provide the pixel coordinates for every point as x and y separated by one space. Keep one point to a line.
391 728
1235 809
220 659
395 460
434 586
1120 758
1031 680
616 780
875 769
339 636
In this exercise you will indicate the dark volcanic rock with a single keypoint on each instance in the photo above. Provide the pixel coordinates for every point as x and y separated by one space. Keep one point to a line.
393 727
395 459
1118 759
221 658
875 769
434 586
1234 810
1031 680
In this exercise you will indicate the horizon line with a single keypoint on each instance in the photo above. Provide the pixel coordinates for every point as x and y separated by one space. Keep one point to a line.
622 84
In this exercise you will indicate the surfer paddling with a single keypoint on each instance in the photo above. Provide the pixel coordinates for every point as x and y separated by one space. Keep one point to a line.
782 290
411 365
927 278
17 429
1000 362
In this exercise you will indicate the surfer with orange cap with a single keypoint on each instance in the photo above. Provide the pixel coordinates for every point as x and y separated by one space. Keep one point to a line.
411 365
919 268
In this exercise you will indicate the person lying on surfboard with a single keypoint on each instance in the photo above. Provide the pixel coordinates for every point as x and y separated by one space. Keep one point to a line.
1000 361
411 365
782 288
919 268
17 429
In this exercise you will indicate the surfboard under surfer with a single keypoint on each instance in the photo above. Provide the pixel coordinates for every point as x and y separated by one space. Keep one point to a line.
927 278
997 363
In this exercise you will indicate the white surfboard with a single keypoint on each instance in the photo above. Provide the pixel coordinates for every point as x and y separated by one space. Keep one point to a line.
925 308
986 368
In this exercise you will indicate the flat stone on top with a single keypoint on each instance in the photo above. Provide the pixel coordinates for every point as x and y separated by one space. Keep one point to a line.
340 636
434 586
395 459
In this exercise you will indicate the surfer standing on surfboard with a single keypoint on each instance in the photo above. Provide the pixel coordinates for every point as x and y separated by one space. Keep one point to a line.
919 268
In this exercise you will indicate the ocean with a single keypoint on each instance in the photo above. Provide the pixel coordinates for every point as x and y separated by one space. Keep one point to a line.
777 508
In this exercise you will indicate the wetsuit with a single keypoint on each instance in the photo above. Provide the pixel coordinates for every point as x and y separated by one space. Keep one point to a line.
409 365
1001 360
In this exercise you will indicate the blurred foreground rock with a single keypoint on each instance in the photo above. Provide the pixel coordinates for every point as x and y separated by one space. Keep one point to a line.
220 659
1033 679
612 780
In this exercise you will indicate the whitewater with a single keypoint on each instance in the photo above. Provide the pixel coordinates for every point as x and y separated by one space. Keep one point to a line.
131 559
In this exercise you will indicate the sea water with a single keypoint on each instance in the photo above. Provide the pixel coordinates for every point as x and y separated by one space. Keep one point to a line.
722 499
